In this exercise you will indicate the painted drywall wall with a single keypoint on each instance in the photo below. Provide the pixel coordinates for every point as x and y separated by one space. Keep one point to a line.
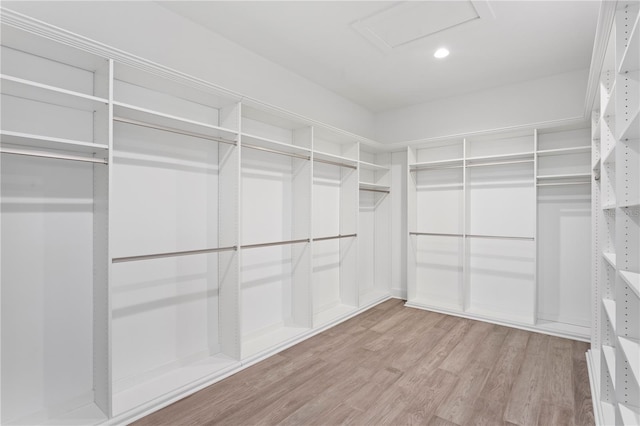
148 30
556 98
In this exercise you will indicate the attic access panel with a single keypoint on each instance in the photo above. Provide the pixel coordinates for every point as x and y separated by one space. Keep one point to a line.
408 22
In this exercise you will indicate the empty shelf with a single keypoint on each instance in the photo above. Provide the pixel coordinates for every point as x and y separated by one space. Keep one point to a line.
564 151
611 258
632 279
631 350
610 309
38 141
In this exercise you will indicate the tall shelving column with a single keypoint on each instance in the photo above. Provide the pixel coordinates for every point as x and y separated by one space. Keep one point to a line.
55 180
615 351
374 225
335 227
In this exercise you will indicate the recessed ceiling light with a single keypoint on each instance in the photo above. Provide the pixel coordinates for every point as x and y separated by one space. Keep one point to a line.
441 53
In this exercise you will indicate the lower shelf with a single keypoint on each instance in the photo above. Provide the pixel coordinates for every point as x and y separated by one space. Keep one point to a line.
269 340
172 383
332 314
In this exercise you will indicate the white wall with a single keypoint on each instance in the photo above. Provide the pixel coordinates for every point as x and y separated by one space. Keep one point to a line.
552 98
153 32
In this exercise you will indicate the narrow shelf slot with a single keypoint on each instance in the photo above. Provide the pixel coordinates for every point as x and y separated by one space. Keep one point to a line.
631 350
633 281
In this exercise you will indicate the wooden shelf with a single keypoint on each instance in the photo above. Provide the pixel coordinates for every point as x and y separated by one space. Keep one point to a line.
271 144
632 279
335 158
156 118
610 309
455 162
46 142
373 167
564 151
610 258
631 55
374 187
631 350
38 92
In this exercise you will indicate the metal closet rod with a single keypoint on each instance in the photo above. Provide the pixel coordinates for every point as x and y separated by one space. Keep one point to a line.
497 237
278 243
564 183
335 237
172 254
173 130
436 234
275 151
384 191
500 163
335 163
45 154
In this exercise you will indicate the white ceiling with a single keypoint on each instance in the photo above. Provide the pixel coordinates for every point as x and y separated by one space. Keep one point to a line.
379 54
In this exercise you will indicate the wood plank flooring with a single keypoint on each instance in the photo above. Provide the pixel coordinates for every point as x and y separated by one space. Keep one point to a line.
395 365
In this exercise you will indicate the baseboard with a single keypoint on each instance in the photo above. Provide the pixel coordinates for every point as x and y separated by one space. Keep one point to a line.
399 293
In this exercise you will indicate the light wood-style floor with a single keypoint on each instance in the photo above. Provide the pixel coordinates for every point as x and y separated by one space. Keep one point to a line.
396 365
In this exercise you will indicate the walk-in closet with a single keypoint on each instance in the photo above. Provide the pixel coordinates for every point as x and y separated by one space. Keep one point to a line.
320 212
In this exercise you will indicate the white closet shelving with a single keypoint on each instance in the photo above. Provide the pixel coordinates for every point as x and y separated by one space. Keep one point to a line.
174 250
276 230
483 217
54 232
374 226
160 233
335 227
614 356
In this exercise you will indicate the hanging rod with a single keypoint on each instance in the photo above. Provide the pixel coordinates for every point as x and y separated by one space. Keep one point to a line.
275 151
335 163
564 183
45 154
500 163
335 237
499 237
173 130
384 191
436 234
172 254
278 243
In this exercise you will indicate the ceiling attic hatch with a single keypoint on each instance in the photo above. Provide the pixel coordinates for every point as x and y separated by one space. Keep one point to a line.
408 22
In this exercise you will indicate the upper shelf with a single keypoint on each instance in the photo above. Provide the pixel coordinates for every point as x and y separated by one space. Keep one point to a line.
632 279
46 142
456 162
562 151
338 160
18 87
253 141
373 167
374 187
171 122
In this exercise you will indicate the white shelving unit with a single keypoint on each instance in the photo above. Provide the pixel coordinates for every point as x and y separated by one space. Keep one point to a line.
335 227
54 198
614 355
374 226
176 232
483 217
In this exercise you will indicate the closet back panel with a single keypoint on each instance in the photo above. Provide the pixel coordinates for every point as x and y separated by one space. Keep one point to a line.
439 201
564 242
47 285
165 199
327 187
500 200
367 270
439 270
